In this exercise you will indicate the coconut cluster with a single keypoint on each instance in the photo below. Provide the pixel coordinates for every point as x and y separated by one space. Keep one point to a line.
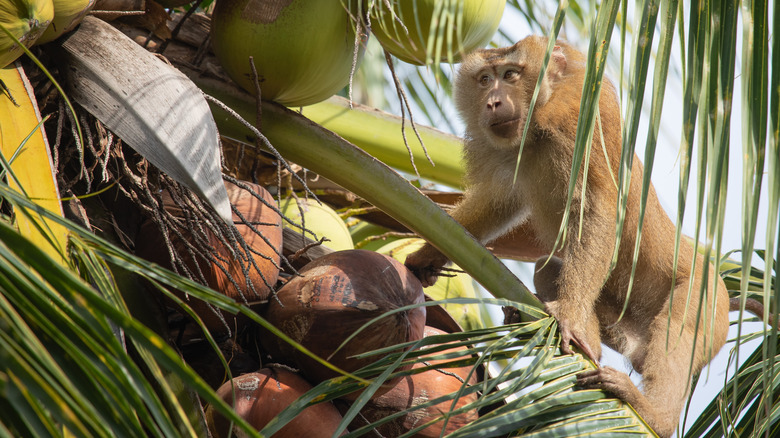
337 307
349 302
304 51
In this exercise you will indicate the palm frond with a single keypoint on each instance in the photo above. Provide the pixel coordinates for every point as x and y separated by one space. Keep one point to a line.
67 345
748 402
535 392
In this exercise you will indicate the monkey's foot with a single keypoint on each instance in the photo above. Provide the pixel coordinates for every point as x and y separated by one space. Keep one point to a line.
620 385
608 379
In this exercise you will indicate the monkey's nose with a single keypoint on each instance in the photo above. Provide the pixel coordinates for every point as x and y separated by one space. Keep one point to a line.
493 104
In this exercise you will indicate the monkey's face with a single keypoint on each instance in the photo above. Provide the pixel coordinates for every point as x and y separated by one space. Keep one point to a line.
494 87
492 97
493 94
502 98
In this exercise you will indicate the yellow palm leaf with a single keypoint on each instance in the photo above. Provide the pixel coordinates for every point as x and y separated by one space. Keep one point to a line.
23 143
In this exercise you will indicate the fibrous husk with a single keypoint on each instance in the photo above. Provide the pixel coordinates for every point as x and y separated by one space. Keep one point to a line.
335 296
151 105
245 271
420 388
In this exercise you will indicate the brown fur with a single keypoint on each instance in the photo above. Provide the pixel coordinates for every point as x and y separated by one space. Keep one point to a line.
576 285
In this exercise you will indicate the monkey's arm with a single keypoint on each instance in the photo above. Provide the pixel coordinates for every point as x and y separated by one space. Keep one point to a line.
481 215
583 270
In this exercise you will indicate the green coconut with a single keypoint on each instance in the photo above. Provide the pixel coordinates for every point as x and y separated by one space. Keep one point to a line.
303 49
464 25
67 15
319 220
26 20
460 285
369 236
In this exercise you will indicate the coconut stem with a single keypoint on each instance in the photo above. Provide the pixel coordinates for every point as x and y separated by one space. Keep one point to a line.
258 117
405 104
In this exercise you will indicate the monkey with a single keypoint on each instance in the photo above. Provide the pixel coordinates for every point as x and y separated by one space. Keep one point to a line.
658 333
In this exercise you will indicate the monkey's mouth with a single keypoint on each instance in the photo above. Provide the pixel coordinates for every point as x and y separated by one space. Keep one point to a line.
506 128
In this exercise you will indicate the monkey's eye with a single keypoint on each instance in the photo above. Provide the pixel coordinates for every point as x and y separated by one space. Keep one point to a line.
484 80
511 74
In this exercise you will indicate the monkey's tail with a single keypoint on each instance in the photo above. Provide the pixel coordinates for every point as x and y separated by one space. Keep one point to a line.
753 306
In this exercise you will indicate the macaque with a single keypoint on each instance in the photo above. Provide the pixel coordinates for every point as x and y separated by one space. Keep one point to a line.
493 90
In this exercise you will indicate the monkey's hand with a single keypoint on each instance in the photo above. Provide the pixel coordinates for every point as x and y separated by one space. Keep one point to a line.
570 333
426 264
569 336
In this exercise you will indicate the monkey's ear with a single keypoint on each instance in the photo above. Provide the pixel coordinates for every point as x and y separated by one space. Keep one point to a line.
557 63
556 68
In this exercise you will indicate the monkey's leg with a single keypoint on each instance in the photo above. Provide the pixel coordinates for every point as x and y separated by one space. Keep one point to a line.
665 377
546 277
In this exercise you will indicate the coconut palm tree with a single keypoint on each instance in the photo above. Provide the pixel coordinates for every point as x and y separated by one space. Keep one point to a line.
77 360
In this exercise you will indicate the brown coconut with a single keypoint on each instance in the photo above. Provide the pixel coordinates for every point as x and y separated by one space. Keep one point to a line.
254 267
262 395
418 389
439 318
335 296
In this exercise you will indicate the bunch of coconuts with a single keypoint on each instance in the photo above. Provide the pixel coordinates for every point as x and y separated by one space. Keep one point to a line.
331 299
305 50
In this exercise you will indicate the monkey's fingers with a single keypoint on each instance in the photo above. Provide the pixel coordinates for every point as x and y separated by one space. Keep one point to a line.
420 272
567 337
608 379
426 264
427 275
590 378
587 350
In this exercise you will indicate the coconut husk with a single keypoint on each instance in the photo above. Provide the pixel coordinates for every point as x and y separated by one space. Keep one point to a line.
334 297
